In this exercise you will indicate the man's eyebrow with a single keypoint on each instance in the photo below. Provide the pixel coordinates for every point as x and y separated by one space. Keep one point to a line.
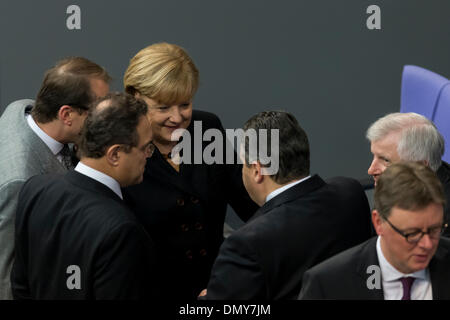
430 227
382 155
436 225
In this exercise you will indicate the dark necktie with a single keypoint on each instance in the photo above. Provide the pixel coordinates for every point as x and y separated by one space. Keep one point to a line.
407 284
66 157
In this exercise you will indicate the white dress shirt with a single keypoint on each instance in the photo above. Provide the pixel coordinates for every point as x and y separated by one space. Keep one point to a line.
54 146
100 177
276 192
393 288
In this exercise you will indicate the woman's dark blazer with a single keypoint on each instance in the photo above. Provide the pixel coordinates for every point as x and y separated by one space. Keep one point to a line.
184 213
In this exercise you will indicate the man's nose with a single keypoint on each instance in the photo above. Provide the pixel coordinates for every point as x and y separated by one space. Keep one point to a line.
426 242
374 168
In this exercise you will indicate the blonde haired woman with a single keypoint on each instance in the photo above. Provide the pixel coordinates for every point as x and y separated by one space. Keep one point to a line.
182 206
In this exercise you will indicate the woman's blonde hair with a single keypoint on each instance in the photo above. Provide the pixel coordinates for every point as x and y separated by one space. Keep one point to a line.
163 72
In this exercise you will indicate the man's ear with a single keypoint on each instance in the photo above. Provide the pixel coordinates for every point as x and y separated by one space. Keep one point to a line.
64 114
113 155
257 172
377 222
425 162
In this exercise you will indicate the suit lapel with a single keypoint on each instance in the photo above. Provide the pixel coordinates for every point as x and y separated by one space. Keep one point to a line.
440 273
368 257
158 169
47 161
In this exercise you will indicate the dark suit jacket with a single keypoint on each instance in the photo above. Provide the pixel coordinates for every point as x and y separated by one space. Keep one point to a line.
184 213
443 174
71 219
302 226
345 276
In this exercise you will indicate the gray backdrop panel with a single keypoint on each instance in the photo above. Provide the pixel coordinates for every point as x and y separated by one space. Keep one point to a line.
314 58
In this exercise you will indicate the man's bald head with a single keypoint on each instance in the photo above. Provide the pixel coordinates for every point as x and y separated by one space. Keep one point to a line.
112 120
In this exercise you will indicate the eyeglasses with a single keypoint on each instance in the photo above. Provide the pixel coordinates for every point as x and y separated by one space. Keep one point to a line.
415 236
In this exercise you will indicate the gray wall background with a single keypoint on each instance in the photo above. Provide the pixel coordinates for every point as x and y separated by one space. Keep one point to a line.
313 58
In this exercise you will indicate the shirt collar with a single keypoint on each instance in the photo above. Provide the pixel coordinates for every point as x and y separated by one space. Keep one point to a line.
390 273
55 146
276 192
100 177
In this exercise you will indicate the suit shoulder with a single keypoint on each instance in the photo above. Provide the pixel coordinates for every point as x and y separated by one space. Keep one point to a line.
443 250
44 179
14 108
340 263
108 211
19 165
258 231
344 182
444 242
21 103
36 184
273 222
443 174
347 189
19 158
117 221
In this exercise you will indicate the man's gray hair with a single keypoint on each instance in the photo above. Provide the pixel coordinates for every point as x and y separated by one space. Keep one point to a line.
419 138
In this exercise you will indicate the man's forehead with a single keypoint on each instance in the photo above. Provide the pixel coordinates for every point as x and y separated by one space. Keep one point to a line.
386 144
431 213
99 87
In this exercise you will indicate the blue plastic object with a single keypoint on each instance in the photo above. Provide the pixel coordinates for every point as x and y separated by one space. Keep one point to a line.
442 118
420 91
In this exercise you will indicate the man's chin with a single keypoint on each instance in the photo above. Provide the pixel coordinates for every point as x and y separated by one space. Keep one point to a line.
134 182
141 178
419 263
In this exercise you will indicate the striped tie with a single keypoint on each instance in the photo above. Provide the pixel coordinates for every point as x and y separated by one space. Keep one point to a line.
66 157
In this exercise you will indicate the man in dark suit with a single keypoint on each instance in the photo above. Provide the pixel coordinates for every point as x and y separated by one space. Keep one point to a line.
35 137
302 219
408 137
408 260
75 238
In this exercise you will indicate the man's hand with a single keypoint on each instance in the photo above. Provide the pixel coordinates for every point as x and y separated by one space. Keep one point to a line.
203 293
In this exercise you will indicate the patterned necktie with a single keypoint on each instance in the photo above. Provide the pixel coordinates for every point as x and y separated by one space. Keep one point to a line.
407 284
66 157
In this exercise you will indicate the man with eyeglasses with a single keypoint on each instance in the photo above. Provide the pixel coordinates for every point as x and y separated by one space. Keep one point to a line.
75 237
408 260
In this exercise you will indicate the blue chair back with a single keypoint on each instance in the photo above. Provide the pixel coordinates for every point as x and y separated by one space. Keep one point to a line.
420 91
442 119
